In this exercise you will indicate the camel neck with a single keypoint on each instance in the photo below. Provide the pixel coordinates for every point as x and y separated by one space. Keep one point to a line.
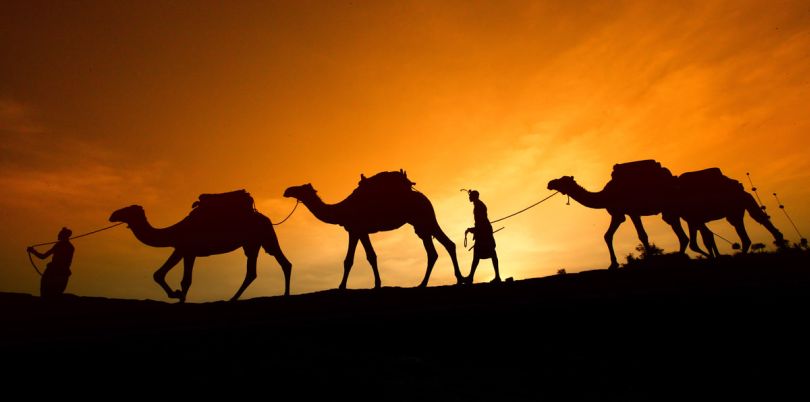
151 236
329 213
588 198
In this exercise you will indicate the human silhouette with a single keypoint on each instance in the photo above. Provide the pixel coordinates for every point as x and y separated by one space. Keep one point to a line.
382 202
57 272
484 239
217 224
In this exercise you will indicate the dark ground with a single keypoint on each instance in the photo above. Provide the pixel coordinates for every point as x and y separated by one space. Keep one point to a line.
672 329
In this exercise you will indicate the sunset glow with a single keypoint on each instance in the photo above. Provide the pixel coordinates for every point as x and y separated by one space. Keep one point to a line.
104 105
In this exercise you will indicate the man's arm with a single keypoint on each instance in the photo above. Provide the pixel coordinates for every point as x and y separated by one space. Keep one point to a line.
41 255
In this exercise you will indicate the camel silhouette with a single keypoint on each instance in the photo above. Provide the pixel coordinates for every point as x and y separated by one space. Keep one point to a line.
203 233
619 201
707 195
380 203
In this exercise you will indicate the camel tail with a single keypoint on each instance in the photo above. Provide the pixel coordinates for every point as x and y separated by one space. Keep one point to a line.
759 215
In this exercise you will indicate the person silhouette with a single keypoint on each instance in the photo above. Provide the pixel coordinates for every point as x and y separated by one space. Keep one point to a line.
55 278
482 234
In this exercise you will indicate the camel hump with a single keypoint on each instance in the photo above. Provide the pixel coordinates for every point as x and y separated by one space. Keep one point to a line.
235 201
708 179
386 181
638 172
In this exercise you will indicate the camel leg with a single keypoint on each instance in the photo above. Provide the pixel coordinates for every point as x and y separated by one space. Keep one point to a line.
273 248
693 244
185 283
739 226
675 223
779 238
252 254
642 234
160 274
347 263
615 222
451 249
371 256
708 241
432 255
286 267
495 267
473 267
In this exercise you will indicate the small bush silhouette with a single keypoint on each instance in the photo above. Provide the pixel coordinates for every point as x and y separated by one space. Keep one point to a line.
561 271
645 253
654 257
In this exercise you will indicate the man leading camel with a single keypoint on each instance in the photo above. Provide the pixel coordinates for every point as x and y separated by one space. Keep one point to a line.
482 234
56 275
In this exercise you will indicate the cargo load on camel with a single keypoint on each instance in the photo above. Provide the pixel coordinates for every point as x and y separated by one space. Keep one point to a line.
393 186
392 180
387 183
645 185
710 180
638 172
233 203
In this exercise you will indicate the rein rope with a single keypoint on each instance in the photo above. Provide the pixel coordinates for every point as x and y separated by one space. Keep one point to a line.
289 215
727 240
525 209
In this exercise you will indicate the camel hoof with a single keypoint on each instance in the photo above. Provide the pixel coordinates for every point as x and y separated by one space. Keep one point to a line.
176 294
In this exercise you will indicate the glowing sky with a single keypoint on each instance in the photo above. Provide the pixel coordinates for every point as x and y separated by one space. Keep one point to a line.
107 104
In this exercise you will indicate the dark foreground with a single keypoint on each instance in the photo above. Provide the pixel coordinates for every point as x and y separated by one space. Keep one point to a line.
686 329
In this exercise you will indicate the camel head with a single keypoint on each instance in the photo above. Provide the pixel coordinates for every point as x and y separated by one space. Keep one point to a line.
564 184
301 193
128 214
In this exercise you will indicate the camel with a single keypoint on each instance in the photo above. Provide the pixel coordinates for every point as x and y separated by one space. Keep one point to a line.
374 208
618 204
707 195
202 234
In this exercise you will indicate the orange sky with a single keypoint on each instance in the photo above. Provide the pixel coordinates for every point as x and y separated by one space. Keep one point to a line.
104 105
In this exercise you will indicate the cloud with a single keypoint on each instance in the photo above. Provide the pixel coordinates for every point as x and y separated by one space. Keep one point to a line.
17 118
